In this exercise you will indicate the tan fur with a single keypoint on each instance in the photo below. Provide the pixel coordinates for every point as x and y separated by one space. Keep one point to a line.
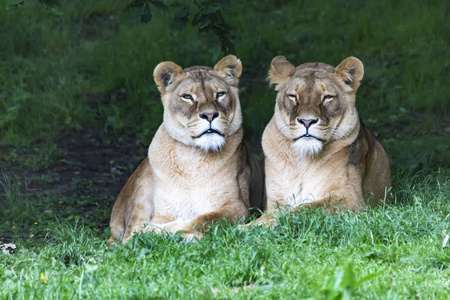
343 170
185 184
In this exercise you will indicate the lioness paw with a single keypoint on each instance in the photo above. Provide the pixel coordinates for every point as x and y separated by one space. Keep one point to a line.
192 237
271 223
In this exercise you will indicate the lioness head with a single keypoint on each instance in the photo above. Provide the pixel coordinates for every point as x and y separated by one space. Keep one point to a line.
201 104
316 102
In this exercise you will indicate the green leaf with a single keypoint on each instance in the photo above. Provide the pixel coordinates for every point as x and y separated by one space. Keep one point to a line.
146 15
10 4
161 7
135 10
180 18
135 13
52 6
227 45
225 4
349 278
203 22
215 52
211 9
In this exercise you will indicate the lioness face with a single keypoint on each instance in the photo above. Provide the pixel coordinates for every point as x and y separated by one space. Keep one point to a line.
315 102
201 104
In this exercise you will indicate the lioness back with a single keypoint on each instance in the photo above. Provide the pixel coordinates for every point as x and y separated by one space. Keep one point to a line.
198 168
317 151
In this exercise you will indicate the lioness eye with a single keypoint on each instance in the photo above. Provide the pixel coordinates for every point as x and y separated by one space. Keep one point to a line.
328 97
220 95
292 97
187 97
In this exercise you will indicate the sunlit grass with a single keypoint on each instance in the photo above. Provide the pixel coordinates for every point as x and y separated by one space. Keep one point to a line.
394 251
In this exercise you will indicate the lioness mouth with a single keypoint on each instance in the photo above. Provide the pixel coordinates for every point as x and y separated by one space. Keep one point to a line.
308 136
210 131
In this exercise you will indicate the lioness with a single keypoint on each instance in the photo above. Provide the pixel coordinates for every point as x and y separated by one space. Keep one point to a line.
198 168
317 151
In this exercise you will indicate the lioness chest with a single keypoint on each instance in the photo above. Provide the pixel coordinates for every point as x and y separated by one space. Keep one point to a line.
303 185
302 181
311 185
188 183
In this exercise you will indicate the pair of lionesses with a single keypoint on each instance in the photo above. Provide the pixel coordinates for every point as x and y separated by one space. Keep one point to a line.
199 169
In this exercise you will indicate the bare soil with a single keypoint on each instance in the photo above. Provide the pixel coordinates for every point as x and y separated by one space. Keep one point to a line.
84 180
85 158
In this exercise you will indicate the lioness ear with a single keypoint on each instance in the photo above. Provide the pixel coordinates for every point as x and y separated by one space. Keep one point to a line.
165 74
280 69
351 71
229 69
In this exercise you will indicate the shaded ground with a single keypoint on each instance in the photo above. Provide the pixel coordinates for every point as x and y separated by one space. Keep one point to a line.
82 182
87 158
87 166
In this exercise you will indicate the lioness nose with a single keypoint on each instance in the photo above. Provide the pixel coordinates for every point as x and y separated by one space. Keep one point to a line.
307 123
209 116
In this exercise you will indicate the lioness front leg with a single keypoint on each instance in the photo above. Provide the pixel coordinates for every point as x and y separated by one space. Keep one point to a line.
176 226
266 219
332 204
196 226
233 213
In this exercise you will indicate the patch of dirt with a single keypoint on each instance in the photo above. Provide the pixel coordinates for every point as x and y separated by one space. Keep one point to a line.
85 179
87 166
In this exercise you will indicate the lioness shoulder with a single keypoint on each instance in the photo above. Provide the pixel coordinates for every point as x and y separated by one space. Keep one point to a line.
317 151
198 168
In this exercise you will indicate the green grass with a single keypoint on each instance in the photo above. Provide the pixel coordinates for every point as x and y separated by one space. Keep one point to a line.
91 69
309 255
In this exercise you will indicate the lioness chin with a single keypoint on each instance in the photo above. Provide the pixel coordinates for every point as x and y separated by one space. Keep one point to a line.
317 151
198 168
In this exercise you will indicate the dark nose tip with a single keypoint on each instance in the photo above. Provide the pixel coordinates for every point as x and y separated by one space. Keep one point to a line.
307 123
209 116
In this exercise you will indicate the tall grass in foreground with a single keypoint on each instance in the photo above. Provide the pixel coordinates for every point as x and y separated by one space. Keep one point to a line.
394 251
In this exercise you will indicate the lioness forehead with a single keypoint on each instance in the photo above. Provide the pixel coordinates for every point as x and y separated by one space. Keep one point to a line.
311 76
312 69
200 74
198 69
